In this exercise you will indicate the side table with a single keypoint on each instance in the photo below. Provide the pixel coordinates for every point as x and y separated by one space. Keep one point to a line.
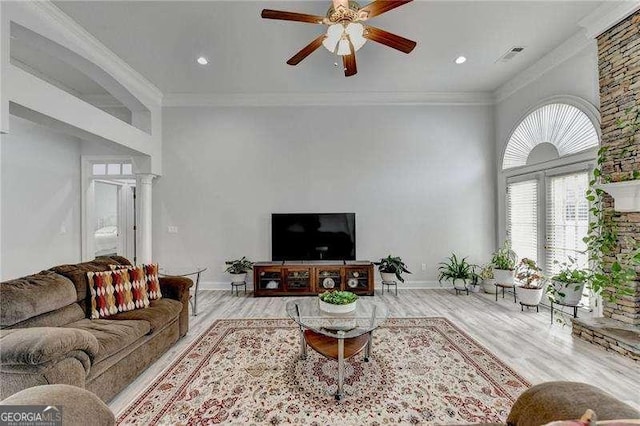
187 272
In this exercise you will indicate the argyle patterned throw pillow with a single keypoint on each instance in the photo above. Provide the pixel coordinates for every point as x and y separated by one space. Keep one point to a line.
153 285
103 301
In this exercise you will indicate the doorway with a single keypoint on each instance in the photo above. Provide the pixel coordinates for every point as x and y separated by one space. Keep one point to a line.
548 217
109 209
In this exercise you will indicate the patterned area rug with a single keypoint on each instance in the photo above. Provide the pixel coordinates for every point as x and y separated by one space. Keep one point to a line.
422 371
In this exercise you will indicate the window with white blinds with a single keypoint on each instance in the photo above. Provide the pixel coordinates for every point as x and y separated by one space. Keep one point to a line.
567 220
522 218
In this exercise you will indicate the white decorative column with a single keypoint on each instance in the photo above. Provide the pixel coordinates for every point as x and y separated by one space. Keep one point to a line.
144 207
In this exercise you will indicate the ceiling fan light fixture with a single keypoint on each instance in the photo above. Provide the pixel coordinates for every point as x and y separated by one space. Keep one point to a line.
336 39
343 48
356 34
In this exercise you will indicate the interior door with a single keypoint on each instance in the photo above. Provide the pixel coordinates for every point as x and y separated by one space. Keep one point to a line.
106 215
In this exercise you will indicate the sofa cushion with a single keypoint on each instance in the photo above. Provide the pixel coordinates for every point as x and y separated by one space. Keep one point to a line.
159 313
30 296
112 336
57 318
78 275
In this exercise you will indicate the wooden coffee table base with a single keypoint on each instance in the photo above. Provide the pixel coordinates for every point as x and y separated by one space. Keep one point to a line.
339 349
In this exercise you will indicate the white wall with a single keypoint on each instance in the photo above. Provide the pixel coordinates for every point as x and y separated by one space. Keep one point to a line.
577 77
40 199
421 181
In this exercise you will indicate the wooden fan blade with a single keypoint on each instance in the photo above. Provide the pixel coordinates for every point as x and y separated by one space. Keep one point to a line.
349 61
292 16
306 51
388 39
379 7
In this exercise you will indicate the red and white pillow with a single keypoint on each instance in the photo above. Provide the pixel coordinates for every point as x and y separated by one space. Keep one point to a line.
111 292
152 283
123 288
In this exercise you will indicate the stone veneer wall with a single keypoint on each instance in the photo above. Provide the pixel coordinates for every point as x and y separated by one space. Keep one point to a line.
619 66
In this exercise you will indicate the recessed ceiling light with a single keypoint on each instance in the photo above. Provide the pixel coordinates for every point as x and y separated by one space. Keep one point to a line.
202 60
461 60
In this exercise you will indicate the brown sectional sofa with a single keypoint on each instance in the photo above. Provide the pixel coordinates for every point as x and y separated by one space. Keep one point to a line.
46 336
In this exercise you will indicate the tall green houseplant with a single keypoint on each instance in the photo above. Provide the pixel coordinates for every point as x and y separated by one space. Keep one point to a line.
612 272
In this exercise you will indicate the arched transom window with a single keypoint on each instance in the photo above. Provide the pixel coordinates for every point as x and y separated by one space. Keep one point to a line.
549 132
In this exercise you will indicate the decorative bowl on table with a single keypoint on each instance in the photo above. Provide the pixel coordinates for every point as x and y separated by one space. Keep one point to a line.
337 302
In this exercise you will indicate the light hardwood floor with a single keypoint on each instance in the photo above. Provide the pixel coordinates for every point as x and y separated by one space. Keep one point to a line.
526 341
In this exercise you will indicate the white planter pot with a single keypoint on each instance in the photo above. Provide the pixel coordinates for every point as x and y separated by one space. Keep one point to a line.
572 292
388 276
503 276
530 296
238 278
489 286
474 288
337 309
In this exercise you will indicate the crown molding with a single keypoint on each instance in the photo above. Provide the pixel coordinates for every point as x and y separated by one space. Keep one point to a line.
326 99
606 16
97 52
571 47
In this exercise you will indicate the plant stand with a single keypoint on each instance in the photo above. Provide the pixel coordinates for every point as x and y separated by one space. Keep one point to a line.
389 284
236 286
575 309
503 286
460 290
522 305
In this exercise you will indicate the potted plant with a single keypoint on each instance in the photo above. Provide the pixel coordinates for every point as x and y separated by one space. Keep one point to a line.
338 302
504 264
458 271
532 282
391 268
568 284
238 269
488 280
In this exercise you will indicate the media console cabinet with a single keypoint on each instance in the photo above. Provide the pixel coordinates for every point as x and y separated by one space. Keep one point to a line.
311 278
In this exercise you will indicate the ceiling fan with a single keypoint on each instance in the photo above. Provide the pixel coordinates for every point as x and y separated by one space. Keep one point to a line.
346 32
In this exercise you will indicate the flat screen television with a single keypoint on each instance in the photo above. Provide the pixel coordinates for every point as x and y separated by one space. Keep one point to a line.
313 236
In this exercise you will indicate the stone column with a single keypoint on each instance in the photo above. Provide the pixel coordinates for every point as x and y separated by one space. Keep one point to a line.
144 209
619 67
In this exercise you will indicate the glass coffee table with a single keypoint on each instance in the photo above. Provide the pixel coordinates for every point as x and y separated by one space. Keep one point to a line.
336 336
188 271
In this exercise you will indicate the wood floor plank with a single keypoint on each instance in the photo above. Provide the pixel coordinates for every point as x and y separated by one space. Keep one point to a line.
526 341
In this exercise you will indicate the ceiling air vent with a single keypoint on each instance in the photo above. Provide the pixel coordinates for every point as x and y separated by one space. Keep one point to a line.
511 53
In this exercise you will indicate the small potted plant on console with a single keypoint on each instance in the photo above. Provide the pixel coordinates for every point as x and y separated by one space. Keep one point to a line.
504 264
338 302
238 269
532 288
391 269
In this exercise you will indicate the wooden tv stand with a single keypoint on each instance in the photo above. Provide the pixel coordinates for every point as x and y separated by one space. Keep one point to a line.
307 278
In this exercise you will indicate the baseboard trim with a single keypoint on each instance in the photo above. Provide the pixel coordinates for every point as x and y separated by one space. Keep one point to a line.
407 285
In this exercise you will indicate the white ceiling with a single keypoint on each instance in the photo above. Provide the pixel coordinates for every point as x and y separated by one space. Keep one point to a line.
161 40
